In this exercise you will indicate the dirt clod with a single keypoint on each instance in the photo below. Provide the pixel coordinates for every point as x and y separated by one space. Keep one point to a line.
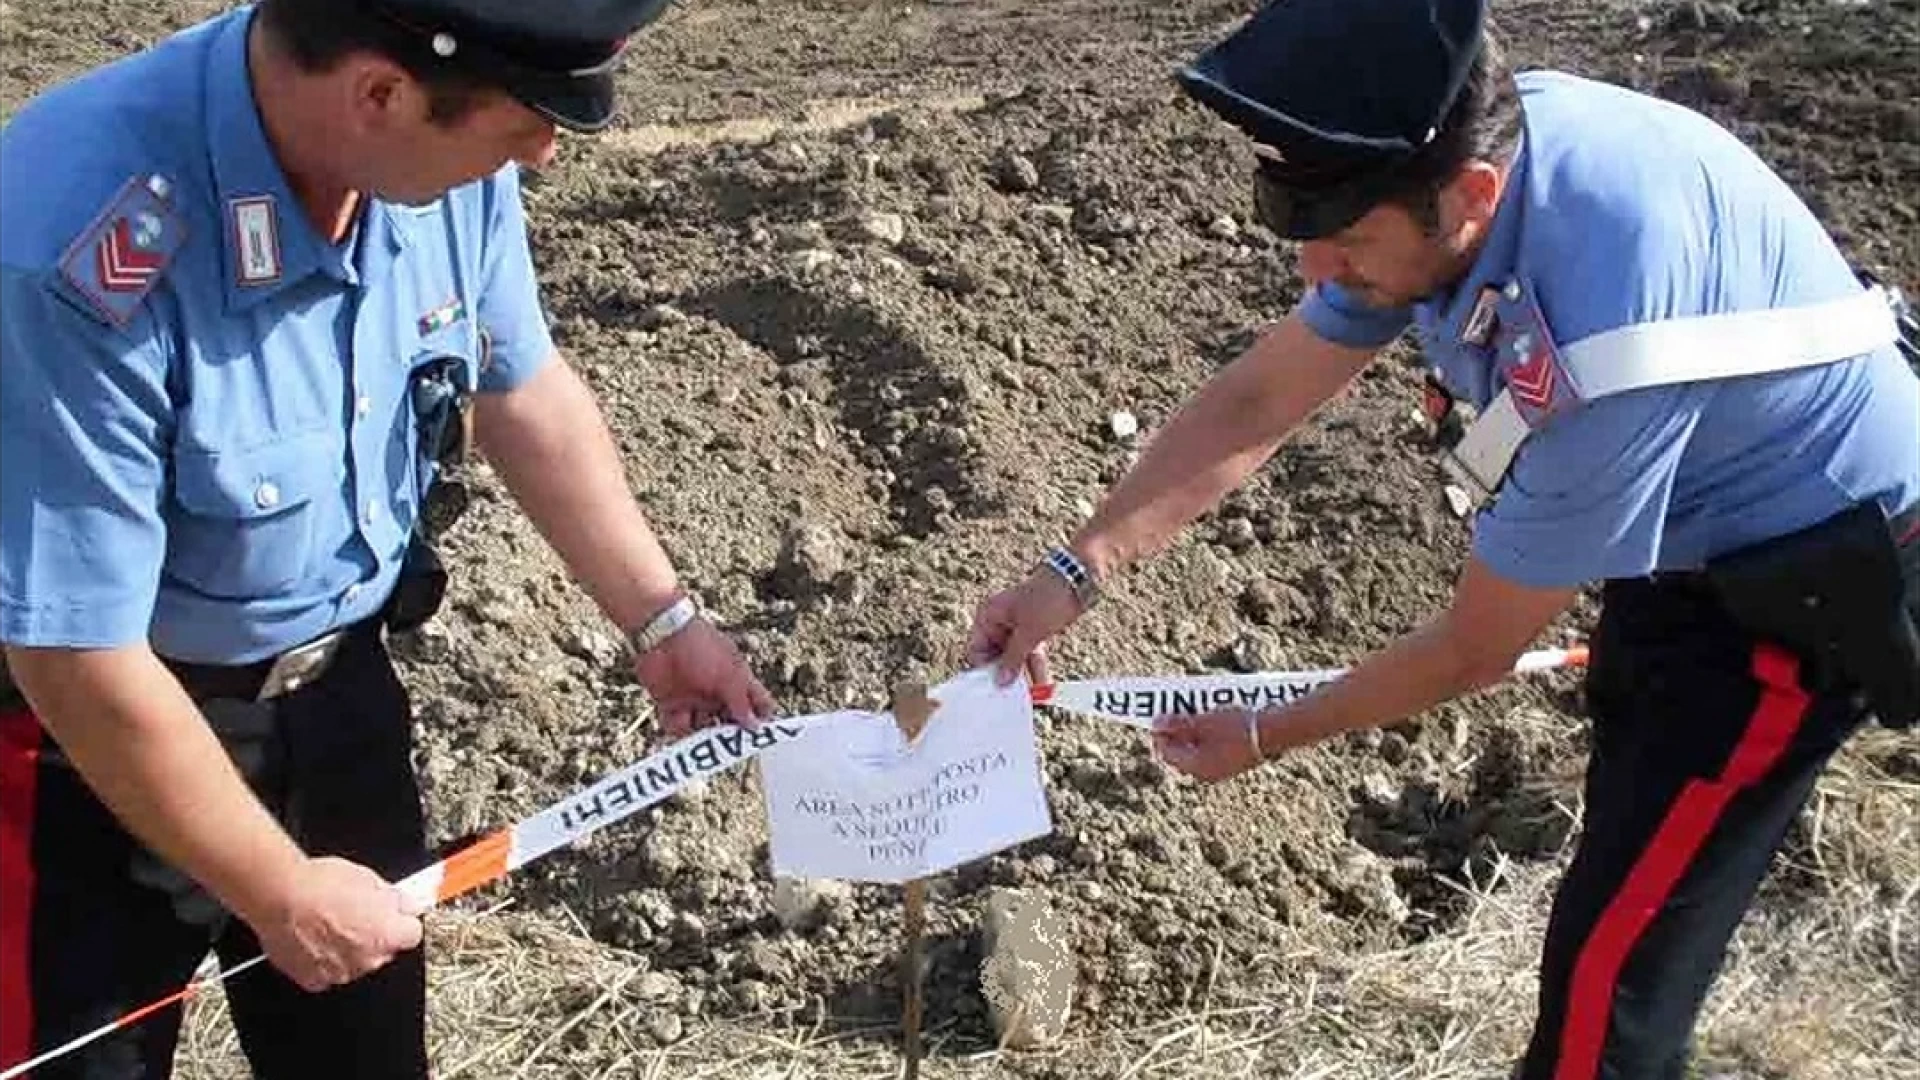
812 558
1029 974
806 904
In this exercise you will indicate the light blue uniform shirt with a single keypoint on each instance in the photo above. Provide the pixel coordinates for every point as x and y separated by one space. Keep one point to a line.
234 470
1623 209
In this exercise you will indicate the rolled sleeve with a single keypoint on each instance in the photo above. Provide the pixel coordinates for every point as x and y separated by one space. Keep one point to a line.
1338 316
510 311
84 419
1589 494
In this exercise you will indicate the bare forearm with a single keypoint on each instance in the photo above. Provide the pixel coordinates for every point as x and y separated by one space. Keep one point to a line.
551 446
1421 670
143 747
1216 441
1473 644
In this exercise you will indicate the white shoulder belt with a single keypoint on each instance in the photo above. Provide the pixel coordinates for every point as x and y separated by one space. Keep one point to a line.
1725 346
1674 351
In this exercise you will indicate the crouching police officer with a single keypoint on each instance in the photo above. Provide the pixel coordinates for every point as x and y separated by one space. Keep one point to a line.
231 265
1682 391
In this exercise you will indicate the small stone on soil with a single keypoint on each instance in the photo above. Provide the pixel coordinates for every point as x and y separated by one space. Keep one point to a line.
665 1028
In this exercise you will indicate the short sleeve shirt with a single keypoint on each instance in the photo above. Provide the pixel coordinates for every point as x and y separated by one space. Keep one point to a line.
1623 209
206 436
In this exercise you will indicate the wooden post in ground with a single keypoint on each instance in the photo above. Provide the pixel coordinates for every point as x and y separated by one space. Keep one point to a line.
911 710
913 1012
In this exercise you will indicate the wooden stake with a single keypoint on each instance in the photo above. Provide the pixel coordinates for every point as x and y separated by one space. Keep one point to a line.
912 708
911 1019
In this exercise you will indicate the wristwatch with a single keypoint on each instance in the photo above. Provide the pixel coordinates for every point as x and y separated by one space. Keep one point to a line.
1075 573
672 619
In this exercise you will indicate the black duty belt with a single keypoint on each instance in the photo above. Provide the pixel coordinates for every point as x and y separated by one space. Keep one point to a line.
1905 527
264 680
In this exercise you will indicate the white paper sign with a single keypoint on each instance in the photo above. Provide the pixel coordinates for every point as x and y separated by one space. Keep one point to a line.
851 799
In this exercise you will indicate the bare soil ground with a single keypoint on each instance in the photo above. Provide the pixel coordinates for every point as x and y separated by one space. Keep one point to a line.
885 270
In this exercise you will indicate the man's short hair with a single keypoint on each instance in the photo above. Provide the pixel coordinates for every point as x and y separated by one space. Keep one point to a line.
1483 125
319 34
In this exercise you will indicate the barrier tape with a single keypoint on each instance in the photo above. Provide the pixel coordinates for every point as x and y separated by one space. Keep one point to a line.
653 779
718 749
1138 701
705 753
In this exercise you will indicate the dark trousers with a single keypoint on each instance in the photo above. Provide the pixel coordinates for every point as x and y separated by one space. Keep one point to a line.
93 926
1706 744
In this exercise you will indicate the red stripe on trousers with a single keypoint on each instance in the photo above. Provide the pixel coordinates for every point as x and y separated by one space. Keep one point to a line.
1782 707
19 766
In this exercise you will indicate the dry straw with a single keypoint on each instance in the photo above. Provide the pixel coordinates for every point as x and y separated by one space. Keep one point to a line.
1820 986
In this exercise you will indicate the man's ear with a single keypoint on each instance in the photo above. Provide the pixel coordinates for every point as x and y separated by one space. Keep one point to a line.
1473 195
380 94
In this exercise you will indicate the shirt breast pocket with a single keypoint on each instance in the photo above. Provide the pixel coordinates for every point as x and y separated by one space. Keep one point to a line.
247 521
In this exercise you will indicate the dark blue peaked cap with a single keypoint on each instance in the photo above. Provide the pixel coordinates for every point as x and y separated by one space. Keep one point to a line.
555 56
1338 93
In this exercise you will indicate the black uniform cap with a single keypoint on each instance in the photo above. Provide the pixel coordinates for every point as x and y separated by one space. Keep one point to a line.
1338 94
555 56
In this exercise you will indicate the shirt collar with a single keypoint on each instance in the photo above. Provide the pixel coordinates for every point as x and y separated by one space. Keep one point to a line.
1495 266
257 207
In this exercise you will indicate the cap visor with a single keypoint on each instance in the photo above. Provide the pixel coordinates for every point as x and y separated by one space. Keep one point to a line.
1312 214
1318 219
583 103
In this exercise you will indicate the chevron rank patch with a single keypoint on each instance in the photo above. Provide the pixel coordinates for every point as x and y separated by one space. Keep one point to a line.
1529 359
118 260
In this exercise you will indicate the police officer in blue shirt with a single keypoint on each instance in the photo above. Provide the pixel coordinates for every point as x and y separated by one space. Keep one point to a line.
257 282
1682 391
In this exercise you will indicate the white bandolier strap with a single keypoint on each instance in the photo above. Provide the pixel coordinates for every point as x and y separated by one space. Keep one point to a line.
1674 351
1480 460
1725 346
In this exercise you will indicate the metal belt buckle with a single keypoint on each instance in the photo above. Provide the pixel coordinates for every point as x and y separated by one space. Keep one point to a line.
299 666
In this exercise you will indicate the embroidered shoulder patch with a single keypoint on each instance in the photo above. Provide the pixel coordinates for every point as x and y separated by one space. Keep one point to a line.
1528 358
119 258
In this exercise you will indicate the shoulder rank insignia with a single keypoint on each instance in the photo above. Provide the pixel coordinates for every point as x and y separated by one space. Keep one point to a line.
1528 358
1478 329
118 260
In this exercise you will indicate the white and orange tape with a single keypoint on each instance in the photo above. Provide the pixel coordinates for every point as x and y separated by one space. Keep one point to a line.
494 856
613 798
650 781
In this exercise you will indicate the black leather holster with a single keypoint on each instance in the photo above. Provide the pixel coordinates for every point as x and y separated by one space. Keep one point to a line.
1844 594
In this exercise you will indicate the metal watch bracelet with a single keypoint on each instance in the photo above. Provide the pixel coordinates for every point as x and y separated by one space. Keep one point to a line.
672 619
1075 573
